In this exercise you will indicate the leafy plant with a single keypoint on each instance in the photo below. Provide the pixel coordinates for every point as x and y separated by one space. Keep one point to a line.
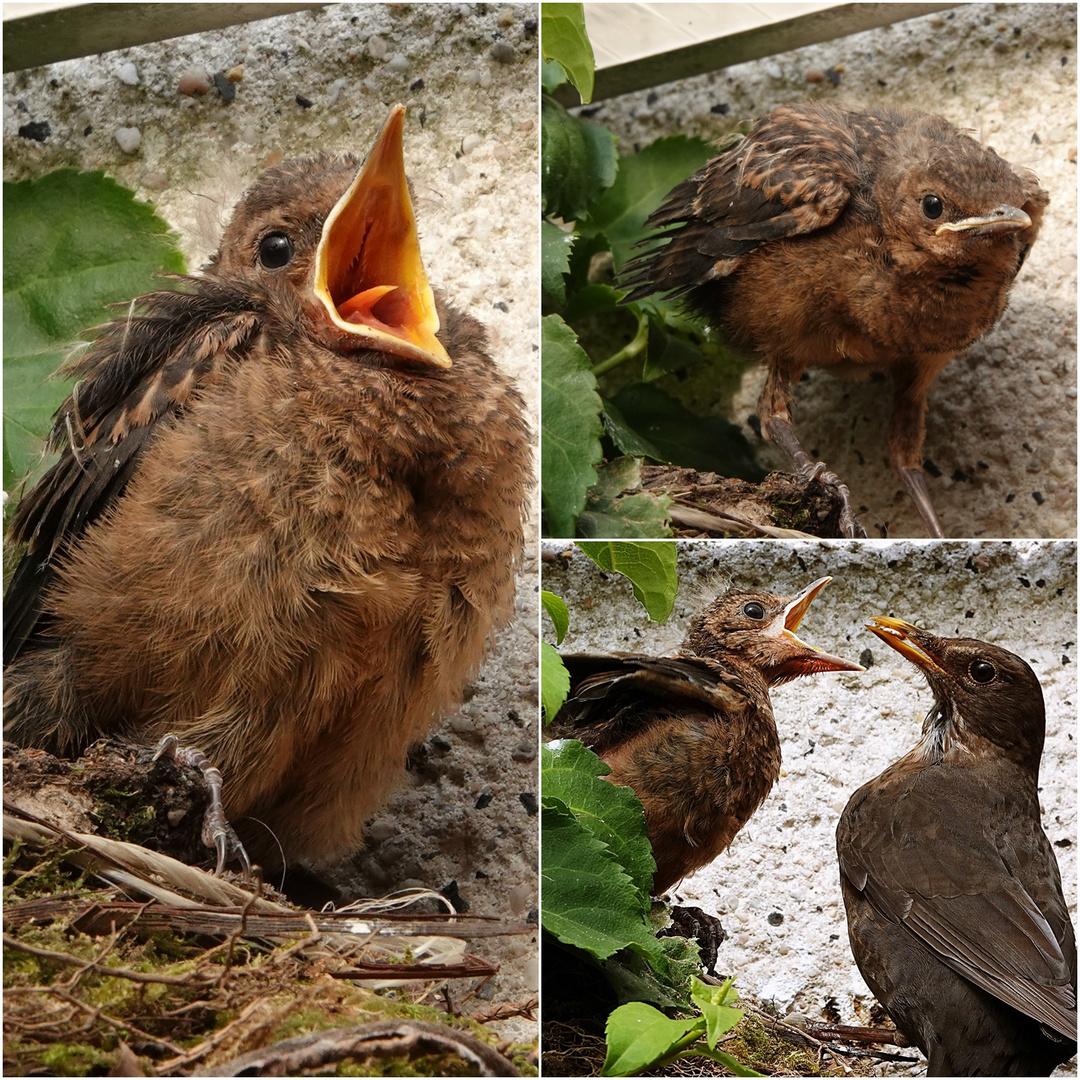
74 243
595 203
597 866
640 1037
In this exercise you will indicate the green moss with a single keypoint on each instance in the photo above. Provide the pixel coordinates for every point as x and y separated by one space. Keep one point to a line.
76 1059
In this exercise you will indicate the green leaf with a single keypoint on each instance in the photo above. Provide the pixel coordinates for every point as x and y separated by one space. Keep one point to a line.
643 181
563 37
667 353
624 436
593 299
705 443
74 243
611 511
577 160
554 680
720 1017
639 1035
651 568
571 428
555 606
555 247
552 75
572 774
587 899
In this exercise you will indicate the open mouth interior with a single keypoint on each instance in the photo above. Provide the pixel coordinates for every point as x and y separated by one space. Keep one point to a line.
369 275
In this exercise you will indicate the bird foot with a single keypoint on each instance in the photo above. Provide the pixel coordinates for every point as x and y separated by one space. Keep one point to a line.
850 525
217 833
699 926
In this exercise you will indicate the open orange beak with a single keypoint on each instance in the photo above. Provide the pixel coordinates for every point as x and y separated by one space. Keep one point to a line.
909 641
801 658
369 275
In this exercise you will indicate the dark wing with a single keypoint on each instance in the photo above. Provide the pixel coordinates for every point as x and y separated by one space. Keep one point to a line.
614 695
793 174
985 896
140 371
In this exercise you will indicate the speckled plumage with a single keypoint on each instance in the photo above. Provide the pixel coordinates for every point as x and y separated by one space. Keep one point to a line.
809 244
287 551
694 734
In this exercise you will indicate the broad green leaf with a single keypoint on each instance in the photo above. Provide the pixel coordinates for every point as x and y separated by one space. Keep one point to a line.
639 1035
720 1017
552 75
570 429
649 566
633 979
587 899
73 243
643 181
555 606
612 508
667 353
577 160
593 299
705 443
563 37
554 680
555 247
625 437
573 774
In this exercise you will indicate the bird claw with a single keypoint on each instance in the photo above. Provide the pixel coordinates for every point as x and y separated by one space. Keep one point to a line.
850 525
699 926
217 833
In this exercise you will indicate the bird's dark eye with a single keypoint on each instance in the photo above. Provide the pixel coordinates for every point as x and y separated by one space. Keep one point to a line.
753 610
932 206
275 250
982 671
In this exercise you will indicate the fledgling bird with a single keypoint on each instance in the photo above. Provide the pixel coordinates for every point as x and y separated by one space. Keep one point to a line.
285 517
693 734
854 240
955 910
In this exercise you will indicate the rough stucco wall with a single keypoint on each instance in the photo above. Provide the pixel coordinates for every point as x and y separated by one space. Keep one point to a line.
840 730
1002 416
471 155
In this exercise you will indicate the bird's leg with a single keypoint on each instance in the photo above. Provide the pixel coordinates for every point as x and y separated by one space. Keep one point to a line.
699 926
911 382
774 411
217 833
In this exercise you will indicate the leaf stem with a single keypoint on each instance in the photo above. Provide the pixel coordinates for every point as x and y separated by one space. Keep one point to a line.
628 352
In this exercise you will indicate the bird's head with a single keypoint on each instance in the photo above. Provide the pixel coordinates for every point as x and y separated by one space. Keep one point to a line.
334 246
759 628
944 196
982 693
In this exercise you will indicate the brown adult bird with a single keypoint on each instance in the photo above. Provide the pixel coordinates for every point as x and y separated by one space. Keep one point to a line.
694 734
858 241
955 910
286 513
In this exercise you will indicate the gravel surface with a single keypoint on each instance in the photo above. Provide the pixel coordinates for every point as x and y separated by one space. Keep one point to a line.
840 730
323 80
1002 416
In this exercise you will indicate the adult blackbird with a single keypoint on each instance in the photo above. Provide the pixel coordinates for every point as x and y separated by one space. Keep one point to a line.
953 895
853 240
285 516
694 734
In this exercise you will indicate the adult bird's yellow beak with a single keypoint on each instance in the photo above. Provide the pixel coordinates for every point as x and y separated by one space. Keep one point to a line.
369 275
